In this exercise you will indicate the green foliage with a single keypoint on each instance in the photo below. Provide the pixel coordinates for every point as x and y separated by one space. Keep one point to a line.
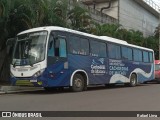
79 18
13 19
57 13
106 30
153 43
131 36
157 31
19 15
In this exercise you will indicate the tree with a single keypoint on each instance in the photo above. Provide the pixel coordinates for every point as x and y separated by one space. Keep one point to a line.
37 10
105 29
20 15
14 19
137 37
157 31
57 13
79 18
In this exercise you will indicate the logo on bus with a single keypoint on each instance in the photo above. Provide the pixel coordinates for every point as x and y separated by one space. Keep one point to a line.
98 67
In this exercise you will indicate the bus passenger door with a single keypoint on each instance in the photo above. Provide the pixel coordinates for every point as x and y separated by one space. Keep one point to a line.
57 51
57 64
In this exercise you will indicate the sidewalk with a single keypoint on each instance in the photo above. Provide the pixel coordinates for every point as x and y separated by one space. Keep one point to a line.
17 89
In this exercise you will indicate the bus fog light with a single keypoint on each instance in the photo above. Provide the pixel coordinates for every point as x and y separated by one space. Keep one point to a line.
39 83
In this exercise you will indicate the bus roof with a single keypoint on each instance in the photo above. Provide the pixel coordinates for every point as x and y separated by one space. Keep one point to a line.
103 38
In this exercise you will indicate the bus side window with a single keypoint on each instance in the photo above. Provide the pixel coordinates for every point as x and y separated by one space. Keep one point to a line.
145 56
137 55
75 45
114 51
51 47
126 53
151 57
60 47
98 49
57 45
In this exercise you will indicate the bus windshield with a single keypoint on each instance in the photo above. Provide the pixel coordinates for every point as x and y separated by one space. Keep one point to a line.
30 48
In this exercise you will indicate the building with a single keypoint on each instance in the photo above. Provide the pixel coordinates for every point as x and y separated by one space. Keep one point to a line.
95 14
139 15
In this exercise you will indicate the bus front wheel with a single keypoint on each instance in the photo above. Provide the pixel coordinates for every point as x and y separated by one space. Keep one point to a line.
78 83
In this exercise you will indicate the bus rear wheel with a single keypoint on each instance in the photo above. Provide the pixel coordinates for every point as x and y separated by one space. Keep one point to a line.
133 80
78 83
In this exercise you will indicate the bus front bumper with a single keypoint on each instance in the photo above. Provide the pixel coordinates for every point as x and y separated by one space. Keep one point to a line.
26 82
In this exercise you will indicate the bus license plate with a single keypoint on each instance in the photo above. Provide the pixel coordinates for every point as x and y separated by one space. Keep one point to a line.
33 80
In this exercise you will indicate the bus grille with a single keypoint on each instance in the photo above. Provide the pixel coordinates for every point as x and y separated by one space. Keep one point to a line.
24 83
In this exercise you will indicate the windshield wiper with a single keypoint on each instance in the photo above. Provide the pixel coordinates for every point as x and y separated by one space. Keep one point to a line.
30 63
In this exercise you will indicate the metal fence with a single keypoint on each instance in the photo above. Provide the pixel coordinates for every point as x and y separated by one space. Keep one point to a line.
153 5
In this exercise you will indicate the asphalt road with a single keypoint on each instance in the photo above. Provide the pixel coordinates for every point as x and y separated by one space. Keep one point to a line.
141 98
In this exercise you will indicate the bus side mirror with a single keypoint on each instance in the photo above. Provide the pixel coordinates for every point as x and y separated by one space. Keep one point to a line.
10 41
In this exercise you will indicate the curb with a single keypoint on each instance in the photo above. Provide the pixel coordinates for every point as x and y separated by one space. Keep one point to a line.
2 93
16 89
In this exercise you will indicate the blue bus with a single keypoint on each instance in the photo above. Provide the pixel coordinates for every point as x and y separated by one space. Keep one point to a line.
53 56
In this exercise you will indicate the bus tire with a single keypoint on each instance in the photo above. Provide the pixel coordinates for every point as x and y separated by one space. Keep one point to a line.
133 80
78 83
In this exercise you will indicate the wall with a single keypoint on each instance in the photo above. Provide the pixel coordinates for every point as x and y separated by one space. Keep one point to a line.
101 18
96 15
134 16
112 11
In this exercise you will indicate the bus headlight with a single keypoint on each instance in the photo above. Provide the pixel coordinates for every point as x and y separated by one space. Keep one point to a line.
39 73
